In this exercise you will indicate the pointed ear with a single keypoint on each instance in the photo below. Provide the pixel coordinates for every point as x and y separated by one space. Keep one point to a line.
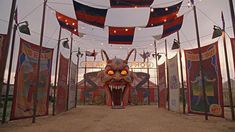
129 54
102 56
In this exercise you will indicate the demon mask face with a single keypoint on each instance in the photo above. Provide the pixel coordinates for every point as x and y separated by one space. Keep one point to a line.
117 80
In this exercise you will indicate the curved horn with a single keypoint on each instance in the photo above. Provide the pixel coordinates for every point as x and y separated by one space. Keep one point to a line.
129 54
104 52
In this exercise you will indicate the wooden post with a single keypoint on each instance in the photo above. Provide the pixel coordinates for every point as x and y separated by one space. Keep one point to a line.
167 73
56 70
9 76
181 72
35 97
200 62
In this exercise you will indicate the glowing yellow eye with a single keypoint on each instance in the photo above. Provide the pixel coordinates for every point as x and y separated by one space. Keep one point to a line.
123 72
110 72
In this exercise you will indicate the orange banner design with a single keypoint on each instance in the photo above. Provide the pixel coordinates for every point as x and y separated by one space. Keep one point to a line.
26 84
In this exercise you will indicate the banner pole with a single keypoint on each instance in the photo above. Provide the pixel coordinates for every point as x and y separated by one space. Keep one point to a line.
76 96
6 48
70 61
167 72
56 70
228 74
156 59
9 75
181 72
200 62
148 80
38 64
84 101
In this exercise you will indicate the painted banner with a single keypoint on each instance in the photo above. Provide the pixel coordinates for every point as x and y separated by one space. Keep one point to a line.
72 86
26 81
174 85
62 88
162 86
233 50
2 41
2 55
212 78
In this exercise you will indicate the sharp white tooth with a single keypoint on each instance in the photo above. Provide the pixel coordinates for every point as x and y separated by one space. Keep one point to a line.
112 103
119 87
121 103
122 89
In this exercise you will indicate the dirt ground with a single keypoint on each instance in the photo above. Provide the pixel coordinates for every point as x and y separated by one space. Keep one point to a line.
131 119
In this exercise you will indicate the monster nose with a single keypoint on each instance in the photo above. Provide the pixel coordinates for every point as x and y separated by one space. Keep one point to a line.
117 77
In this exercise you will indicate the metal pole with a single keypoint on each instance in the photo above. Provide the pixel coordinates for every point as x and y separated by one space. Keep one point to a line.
148 81
76 96
228 74
70 61
38 64
84 101
181 72
156 59
6 47
232 15
167 72
9 76
200 62
56 70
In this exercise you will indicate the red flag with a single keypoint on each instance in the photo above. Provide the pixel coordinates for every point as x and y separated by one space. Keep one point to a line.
67 23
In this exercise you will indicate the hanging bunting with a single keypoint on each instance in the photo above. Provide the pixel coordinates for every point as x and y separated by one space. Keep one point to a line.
159 16
26 81
172 27
121 35
212 78
72 86
174 85
61 98
130 3
67 23
90 15
162 86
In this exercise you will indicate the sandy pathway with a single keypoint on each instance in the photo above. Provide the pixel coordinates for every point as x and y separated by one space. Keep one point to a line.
131 119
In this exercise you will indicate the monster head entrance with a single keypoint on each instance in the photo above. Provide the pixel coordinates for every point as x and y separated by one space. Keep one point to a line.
117 79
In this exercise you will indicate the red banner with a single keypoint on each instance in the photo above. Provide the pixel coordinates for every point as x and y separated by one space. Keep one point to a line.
62 88
212 80
2 42
162 85
233 50
26 83
2 55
